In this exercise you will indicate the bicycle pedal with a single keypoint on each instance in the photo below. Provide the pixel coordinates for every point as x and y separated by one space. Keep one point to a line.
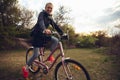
45 70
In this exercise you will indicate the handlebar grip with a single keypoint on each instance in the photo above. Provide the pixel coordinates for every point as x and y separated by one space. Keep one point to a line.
65 37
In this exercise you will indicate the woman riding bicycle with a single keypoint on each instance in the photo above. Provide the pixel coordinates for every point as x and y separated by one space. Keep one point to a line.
41 34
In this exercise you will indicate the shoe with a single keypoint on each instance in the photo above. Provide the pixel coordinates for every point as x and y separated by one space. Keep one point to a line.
25 72
51 59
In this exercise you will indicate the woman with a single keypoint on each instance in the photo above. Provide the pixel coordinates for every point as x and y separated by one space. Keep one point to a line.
41 33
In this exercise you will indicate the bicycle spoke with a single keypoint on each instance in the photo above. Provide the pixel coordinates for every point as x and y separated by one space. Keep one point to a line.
73 71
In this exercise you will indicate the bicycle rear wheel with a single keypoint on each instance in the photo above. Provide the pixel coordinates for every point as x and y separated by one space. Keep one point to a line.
74 70
34 68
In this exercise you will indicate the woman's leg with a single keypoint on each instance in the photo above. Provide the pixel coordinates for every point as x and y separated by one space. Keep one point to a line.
34 56
25 69
54 43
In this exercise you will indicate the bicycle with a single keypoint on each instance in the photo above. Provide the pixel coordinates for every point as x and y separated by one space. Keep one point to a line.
66 69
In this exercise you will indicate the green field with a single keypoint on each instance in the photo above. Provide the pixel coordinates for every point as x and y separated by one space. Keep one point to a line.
100 66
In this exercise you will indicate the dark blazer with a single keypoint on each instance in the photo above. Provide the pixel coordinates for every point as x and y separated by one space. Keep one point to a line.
44 20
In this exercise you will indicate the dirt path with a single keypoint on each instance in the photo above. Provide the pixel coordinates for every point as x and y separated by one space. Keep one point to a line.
23 42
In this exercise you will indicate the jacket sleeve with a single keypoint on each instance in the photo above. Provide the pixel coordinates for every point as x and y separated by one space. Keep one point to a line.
41 22
54 25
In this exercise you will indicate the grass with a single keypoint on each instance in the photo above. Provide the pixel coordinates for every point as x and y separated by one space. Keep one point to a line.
100 66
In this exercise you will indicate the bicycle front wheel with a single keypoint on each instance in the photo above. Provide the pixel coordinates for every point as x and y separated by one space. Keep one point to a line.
34 68
71 70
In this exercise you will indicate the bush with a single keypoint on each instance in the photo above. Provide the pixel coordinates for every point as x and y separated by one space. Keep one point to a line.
86 42
23 33
115 45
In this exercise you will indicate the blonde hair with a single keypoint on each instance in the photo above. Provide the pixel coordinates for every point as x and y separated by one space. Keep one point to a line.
49 3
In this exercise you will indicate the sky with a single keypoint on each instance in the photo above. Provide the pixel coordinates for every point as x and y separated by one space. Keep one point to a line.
87 15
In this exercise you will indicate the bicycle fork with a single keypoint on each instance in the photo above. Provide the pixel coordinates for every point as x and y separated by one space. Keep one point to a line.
66 69
64 64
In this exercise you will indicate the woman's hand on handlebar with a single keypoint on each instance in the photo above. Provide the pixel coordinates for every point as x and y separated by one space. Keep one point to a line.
47 31
64 36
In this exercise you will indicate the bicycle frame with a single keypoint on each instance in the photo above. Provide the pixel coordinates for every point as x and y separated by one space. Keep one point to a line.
41 62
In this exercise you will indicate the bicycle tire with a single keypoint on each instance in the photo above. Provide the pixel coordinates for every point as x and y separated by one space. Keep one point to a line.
32 68
76 73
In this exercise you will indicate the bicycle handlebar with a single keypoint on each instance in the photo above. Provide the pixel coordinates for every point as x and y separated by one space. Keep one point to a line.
65 36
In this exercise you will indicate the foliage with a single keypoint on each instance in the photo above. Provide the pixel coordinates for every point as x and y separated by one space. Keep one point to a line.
26 18
114 46
61 16
8 12
23 33
86 41
71 32
102 38
12 18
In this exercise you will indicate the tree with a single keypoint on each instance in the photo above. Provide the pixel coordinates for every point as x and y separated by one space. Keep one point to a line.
101 38
11 17
61 16
115 44
71 33
8 12
25 17
7 19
